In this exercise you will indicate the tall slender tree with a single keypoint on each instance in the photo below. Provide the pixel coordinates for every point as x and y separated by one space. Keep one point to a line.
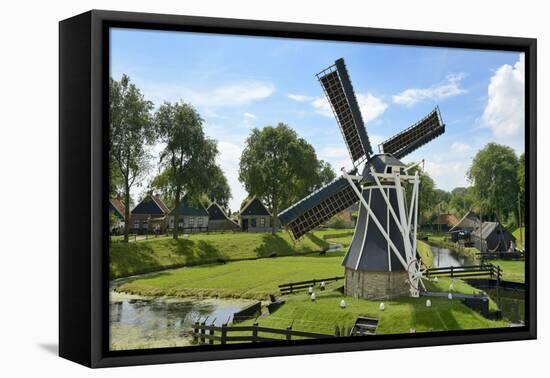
130 131
188 157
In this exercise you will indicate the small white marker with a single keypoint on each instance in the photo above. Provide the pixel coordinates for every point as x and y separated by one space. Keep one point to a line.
450 296
343 303
428 303
382 306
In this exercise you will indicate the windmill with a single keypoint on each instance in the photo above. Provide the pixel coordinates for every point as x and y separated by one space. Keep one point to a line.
382 260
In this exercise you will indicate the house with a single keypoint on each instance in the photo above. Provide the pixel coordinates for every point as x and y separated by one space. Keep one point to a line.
149 216
117 208
254 217
219 221
462 230
446 221
491 237
191 217
347 217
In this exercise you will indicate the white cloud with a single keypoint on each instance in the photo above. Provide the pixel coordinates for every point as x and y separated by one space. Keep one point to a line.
448 175
322 107
249 115
299 98
460 148
226 95
371 106
505 109
450 87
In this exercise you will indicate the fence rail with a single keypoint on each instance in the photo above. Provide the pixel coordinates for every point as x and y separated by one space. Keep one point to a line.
291 287
208 334
467 271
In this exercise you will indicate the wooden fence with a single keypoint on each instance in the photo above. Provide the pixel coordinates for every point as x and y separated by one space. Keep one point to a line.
467 271
208 334
296 286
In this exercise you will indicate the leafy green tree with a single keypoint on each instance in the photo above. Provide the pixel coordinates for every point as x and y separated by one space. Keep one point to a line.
427 196
279 167
462 200
218 190
188 157
130 131
521 186
494 175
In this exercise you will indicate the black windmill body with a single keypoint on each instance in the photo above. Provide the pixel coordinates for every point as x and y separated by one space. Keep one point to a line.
382 259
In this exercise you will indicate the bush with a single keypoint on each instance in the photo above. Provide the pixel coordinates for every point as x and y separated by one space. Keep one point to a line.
337 223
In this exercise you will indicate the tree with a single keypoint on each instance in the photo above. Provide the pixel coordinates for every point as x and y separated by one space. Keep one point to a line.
521 187
189 156
427 195
493 174
279 167
130 131
462 200
218 191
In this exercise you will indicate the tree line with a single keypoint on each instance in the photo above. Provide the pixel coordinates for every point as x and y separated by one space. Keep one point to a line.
276 165
496 191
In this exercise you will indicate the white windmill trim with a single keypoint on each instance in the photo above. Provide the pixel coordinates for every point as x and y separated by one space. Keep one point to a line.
376 221
364 234
388 231
390 207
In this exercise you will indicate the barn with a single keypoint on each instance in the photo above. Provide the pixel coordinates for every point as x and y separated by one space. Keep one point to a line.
254 217
218 219
464 227
445 222
117 208
491 237
149 216
192 217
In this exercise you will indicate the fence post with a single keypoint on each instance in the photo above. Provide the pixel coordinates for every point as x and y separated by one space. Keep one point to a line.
203 330
224 333
452 271
196 333
254 332
289 332
211 333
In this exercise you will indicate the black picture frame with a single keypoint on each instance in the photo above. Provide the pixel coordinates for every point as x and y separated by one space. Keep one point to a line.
83 181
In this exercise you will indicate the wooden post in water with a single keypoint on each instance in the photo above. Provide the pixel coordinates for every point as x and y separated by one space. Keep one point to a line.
211 334
203 330
196 332
255 332
224 333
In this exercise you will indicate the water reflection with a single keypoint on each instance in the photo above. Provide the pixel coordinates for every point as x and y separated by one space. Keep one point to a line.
443 257
138 322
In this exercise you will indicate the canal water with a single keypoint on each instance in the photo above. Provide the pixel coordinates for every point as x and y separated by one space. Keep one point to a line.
141 322
510 301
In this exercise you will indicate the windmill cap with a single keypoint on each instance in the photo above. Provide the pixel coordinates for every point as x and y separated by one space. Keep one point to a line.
380 163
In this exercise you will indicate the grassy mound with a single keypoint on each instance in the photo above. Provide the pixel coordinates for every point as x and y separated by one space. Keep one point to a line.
254 279
155 254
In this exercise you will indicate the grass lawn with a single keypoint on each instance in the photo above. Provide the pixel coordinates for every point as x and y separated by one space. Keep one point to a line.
323 315
512 270
164 252
425 252
254 279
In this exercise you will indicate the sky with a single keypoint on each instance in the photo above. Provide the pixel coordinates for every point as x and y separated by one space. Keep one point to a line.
238 83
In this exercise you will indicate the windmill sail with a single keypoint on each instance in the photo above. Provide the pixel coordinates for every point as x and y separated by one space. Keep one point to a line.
339 91
318 207
416 136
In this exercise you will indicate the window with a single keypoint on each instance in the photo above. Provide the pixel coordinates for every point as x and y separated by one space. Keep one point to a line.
192 222
262 222
199 221
253 222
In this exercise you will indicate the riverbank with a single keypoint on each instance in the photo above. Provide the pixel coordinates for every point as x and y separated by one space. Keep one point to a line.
442 241
156 254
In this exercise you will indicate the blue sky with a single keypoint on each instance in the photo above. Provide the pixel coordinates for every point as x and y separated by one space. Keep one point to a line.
238 83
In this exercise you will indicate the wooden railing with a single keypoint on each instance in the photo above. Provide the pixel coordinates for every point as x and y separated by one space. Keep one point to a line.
209 334
296 286
467 271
